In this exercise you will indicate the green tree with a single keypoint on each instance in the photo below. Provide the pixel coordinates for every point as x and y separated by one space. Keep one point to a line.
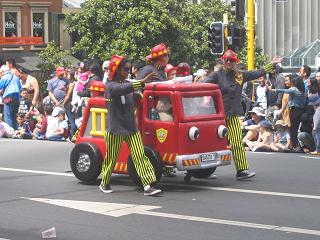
50 58
106 27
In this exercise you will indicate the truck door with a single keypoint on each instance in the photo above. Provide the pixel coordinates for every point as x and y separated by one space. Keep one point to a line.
159 127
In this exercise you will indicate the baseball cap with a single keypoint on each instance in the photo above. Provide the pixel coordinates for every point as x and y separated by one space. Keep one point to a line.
258 111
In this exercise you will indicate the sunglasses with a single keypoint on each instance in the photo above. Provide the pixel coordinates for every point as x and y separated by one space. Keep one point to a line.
229 60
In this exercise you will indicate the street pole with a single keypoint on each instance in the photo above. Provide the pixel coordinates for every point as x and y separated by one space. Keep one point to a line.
226 33
251 22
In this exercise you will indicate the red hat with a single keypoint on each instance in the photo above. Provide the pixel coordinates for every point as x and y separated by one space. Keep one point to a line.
183 69
60 70
169 68
114 65
157 51
97 86
231 55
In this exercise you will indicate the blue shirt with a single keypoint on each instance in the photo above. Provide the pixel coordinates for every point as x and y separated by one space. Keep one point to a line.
11 85
296 98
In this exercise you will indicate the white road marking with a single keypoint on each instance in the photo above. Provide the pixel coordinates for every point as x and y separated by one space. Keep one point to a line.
118 210
281 194
104 208
35 171
266 153
293 195
310 157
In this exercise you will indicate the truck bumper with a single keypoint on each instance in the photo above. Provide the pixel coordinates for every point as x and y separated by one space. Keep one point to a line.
203 160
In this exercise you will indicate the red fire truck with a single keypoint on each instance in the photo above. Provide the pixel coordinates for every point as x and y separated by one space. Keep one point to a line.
187 132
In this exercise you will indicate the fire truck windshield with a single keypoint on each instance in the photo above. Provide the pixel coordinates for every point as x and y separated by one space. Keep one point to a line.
197 106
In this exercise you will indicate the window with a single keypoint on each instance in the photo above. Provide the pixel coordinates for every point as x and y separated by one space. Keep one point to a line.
38 25
160 108
11 24
195 106
11 18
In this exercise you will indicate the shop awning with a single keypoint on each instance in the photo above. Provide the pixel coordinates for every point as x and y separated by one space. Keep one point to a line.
29 60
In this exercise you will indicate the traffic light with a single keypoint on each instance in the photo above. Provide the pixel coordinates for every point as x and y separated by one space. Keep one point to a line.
237 34
216 38
237 9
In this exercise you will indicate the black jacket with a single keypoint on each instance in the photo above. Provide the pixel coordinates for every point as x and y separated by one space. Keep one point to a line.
231 87
120 104
146 70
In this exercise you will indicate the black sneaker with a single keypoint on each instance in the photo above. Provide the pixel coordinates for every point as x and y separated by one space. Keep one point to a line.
245 174
152 191
105 188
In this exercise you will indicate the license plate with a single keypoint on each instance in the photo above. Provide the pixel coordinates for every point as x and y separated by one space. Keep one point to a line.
207 157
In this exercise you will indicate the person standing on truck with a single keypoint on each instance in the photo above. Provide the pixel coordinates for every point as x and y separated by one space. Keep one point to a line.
157 60
122 126
230 80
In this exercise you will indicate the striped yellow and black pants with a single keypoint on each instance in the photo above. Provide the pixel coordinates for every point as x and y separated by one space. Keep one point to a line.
235 140
142 164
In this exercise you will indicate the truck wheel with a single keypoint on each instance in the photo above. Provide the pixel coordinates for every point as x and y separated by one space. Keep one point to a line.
86 162
154 160
202 173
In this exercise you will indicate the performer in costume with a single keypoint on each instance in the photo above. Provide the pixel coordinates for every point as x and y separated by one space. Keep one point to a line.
122 126
230 80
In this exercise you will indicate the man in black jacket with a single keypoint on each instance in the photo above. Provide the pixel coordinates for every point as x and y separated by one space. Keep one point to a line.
157 60
230 80
122 126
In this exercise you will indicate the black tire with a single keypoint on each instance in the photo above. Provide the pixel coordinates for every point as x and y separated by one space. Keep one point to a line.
202 173
86 162
155 161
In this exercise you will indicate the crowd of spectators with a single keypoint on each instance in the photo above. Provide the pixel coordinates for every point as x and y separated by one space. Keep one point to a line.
283 114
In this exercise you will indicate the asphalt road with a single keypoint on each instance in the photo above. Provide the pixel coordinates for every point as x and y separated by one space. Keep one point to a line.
281 202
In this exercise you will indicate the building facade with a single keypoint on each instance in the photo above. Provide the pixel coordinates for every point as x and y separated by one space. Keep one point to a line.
32 18
284 26
29 18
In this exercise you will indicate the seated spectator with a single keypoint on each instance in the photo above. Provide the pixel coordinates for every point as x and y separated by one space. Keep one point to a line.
25 106
281 137
39 131
164 109
5 129
265 139
314 100
251 125
52 121
60 134
23 130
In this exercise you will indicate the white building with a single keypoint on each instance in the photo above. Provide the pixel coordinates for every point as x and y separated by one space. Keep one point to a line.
283 26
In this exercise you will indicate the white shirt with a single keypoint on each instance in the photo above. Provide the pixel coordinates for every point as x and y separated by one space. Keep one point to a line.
261 96
52 125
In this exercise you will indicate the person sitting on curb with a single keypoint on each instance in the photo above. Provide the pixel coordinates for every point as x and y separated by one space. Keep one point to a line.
282 137
251 125
265 139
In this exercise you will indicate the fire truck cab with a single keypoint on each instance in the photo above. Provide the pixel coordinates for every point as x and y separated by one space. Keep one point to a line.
182 126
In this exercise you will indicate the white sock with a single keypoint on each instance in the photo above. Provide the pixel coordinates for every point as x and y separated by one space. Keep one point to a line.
146 187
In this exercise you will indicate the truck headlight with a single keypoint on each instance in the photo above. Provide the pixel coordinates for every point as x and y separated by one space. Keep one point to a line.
222 131
194 133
